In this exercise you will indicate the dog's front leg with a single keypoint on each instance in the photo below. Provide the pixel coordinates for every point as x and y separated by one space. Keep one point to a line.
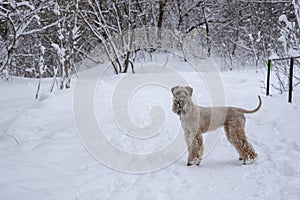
196 149
187 137
198 140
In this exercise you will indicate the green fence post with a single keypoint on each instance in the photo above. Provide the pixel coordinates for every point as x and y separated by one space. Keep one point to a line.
268 76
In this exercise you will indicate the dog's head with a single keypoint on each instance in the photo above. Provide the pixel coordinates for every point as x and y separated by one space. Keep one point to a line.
181 99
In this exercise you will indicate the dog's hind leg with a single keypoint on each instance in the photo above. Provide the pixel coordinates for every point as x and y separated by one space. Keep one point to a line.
236 135
230 139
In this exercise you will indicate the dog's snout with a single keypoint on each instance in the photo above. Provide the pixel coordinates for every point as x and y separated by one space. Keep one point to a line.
179 103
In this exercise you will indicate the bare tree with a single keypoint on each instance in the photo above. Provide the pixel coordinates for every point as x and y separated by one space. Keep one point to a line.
67 34
21 19
296 4
242 33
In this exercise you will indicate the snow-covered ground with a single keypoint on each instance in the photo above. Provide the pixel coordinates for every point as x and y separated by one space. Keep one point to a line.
42 157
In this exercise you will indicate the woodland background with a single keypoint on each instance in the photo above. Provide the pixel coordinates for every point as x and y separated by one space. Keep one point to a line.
40 38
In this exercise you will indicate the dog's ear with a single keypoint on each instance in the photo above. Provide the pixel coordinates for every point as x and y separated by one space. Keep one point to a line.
173 88
190 90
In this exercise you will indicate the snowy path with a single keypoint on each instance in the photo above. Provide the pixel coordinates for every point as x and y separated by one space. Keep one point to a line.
51 163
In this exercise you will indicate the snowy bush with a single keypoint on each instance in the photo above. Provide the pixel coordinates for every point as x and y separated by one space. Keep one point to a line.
241 33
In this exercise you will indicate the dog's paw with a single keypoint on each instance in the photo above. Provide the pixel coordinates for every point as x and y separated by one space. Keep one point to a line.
248 161
198 161
189 164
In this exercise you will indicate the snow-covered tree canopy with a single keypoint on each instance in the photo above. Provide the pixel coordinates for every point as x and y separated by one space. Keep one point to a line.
69 30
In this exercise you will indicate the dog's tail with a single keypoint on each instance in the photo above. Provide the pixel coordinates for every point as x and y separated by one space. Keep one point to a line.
252 111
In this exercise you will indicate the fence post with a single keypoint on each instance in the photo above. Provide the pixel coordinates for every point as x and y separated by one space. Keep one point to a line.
291 80
268 77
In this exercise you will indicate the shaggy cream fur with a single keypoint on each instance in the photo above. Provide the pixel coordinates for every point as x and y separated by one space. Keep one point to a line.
196 120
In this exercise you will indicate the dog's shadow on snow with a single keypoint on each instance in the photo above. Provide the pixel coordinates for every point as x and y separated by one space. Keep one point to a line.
206 163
